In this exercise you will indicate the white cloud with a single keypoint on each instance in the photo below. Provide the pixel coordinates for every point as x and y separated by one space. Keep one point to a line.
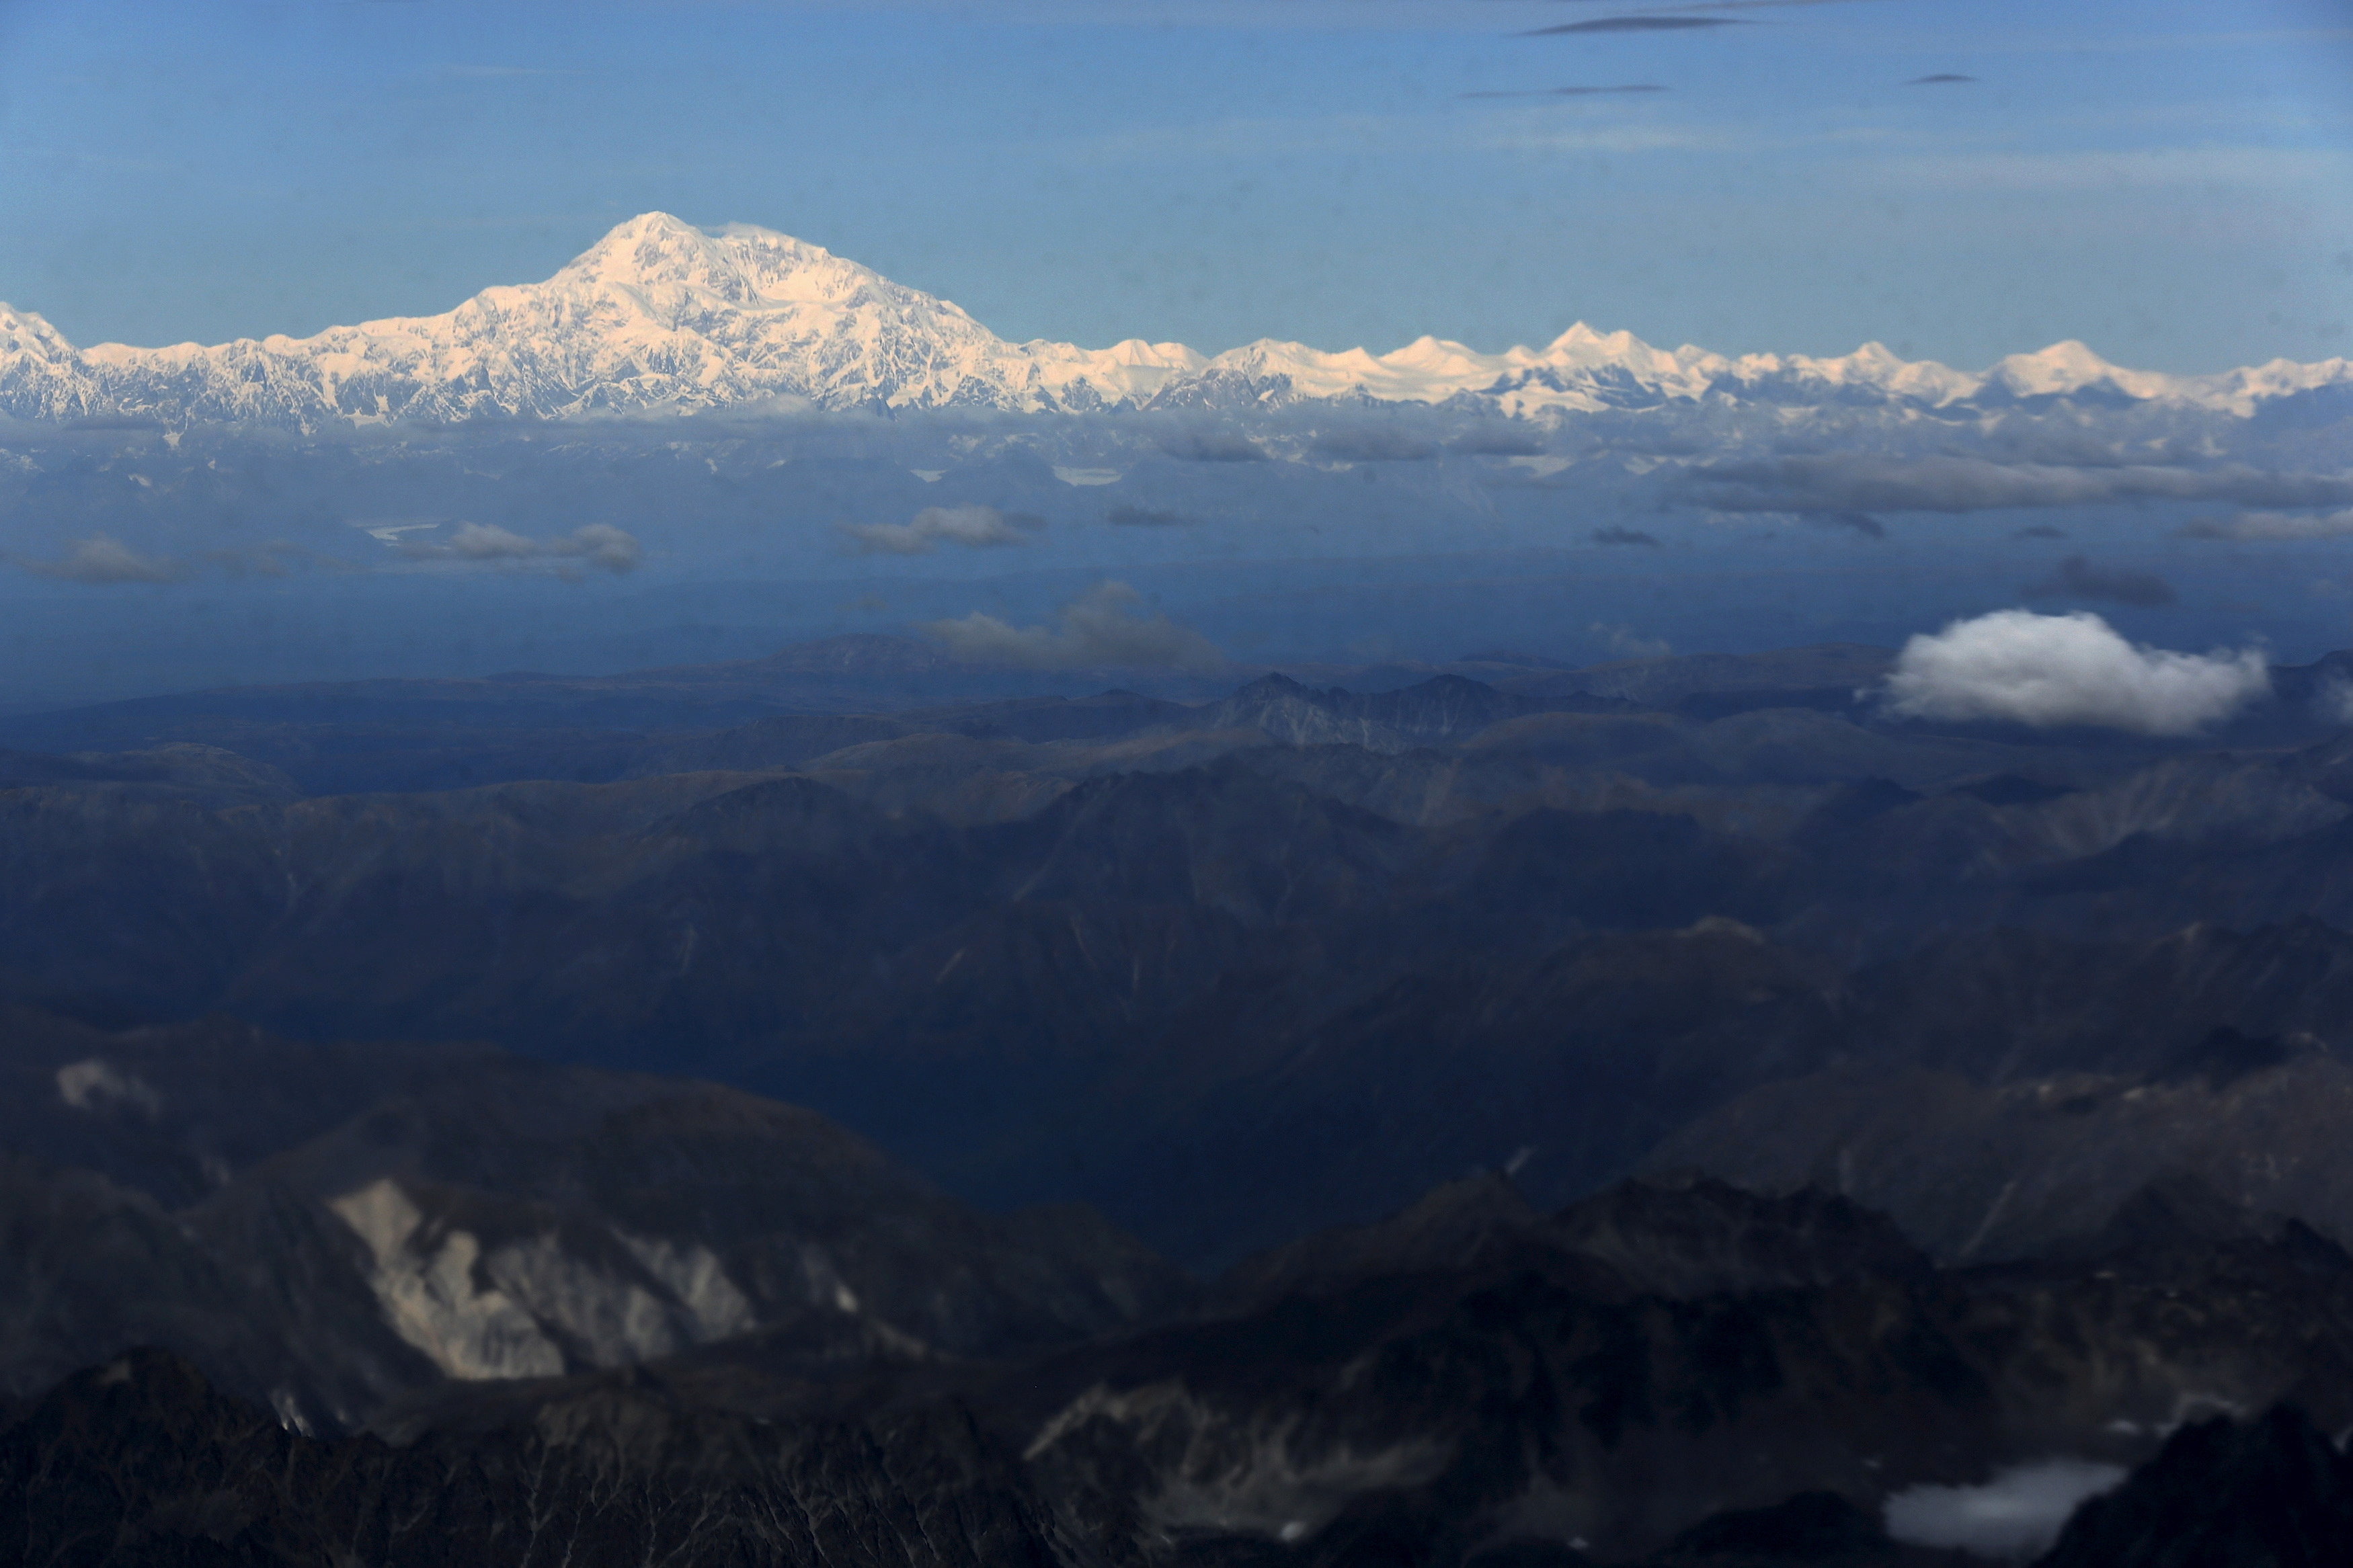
1098 627
2022 668
2015 1515
974 527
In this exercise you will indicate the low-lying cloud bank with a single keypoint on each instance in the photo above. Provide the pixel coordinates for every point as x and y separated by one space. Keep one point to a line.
2022 668
2015 1515
600 545
2277 525
1100 627
1867 483
973 527
102 559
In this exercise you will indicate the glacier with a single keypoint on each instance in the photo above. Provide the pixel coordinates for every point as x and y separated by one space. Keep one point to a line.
660 316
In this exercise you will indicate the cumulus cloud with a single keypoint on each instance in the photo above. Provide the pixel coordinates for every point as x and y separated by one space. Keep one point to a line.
598 545
2077 578
2023 668
973 527
2016 1515
2277 525
1948 483
1101 626
103 558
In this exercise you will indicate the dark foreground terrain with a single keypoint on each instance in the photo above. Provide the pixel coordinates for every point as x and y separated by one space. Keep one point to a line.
1673 1376
1671 1113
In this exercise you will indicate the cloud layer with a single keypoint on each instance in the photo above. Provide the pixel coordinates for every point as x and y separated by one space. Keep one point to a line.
1099 627
2022 668
973 527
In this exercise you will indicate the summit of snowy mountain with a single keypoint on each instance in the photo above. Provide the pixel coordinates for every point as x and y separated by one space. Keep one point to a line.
659 314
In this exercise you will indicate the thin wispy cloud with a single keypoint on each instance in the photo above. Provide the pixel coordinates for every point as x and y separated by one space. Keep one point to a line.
2078 578
1730 5
1861 522
102 559
598 544
972 527
1645 24
2078 44
2276 525
497 73
2132 169
1103 626
1570 91
1937 79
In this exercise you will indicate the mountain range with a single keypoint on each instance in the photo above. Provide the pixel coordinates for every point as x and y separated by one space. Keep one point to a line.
1234 969
660 316
1677 1112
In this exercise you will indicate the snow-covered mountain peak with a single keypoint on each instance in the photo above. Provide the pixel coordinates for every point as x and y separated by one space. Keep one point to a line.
2064 367
741 265
659 314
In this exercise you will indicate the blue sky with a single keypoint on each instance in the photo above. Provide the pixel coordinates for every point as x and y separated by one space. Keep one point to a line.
2168 181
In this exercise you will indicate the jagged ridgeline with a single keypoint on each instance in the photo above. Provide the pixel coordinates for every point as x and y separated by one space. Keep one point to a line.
661 315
